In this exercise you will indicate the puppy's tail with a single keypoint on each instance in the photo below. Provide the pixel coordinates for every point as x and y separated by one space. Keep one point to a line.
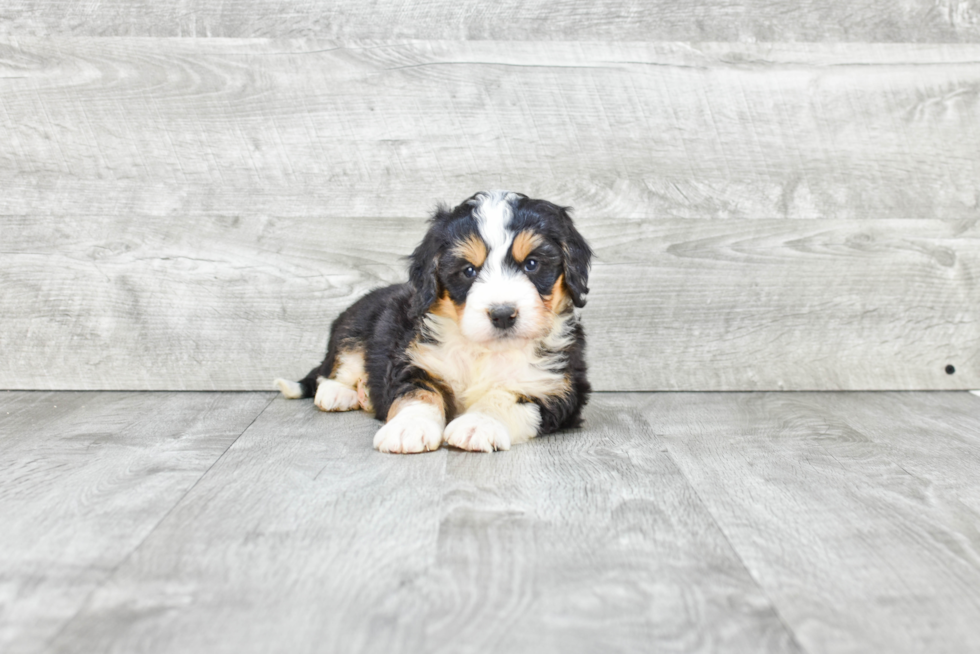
294 390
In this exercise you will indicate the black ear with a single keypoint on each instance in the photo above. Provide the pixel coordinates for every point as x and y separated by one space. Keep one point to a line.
424 263
578 259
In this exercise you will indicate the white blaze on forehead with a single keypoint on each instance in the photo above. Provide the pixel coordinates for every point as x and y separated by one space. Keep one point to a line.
498 285
493 212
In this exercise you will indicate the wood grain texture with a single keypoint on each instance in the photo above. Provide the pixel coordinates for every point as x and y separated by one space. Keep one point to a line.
852 511
191 214
303 536
624 20
217 302
301 530
590 541
84 478
316 129
935 440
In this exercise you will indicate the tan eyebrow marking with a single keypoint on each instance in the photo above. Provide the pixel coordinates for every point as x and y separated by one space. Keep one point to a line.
524 244
473 249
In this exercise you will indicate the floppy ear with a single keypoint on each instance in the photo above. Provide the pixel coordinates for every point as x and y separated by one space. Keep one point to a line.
577 257
424 264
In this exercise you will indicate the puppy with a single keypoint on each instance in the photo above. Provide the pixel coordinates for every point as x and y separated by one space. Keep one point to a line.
481 349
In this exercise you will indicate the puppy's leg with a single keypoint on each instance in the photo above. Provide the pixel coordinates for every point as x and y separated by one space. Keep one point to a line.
494 422
415 423
345 390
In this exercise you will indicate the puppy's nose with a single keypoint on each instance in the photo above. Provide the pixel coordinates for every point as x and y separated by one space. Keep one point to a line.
503 317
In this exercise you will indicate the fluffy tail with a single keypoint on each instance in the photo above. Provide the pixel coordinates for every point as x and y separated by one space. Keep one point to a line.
294 390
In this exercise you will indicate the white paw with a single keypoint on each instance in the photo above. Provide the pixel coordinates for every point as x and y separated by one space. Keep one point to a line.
291 390
416 428
477 432
334 396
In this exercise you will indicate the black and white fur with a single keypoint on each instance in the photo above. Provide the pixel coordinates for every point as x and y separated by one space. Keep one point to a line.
481 349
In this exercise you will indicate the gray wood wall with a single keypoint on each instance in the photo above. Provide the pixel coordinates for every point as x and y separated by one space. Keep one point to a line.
781 195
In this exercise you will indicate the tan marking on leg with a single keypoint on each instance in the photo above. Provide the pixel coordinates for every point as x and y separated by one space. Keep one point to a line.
473 249
364 396
524 244
420 395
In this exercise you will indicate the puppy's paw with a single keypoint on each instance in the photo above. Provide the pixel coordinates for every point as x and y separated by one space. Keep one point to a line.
334 396
477 432
416 428
290 390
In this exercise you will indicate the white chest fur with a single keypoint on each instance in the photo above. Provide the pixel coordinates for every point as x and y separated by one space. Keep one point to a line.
525 368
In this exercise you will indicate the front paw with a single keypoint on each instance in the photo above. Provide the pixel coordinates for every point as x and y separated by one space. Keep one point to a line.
409 431
477 432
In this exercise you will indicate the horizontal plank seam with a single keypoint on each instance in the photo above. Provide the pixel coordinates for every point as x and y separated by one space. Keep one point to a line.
135 548
714 518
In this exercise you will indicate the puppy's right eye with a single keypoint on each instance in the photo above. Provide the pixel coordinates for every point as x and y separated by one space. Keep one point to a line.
469 271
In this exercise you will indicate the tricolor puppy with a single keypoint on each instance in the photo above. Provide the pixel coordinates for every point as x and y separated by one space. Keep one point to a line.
481 349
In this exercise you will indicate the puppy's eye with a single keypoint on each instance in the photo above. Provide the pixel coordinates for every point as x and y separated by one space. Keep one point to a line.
469 271
531 265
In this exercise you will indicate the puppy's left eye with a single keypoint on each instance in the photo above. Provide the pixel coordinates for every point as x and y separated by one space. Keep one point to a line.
469 271
530 265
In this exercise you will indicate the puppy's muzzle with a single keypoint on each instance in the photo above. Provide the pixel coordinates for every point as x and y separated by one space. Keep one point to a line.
503 317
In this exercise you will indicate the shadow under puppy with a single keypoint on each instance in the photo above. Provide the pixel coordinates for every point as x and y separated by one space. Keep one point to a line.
483 337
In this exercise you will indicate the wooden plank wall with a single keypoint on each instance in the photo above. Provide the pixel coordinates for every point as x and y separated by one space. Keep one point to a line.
780 197
910 21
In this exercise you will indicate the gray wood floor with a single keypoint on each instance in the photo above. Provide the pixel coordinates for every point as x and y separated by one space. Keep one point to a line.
240 522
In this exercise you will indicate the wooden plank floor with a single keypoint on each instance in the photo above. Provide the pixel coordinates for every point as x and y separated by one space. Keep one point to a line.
84 478
241 522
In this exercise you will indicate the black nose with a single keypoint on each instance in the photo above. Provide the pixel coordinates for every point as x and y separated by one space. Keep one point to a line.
503 317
